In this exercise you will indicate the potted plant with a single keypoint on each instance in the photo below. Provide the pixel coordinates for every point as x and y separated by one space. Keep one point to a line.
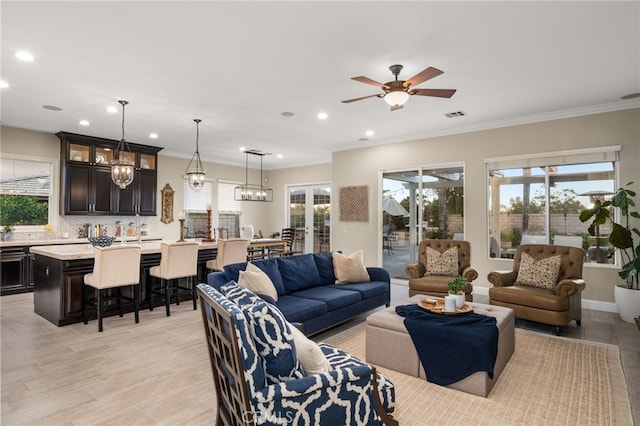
455 289
7 233
627 295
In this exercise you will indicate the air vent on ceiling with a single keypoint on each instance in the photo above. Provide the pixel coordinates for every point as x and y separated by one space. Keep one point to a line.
455 114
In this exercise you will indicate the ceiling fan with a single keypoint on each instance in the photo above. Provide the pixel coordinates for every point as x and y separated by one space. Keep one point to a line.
396 93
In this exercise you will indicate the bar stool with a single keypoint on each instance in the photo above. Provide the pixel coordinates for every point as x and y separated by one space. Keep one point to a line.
232 250
114 267
177 260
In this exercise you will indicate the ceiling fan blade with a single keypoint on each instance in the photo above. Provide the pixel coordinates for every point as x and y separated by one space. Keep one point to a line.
367 80
364 97
439 93
422 76
396 107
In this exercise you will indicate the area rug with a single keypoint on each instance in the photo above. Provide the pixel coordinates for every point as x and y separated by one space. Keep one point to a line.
548 381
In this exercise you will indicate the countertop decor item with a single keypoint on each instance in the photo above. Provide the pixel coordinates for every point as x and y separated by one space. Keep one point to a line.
195 172
121 167
101 241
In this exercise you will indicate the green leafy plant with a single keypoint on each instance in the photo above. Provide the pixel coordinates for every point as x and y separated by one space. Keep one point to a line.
621 236
7 229
456 284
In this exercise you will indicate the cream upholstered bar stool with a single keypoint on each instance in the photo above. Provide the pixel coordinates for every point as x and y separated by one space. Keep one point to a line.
232 250
177 260
114 267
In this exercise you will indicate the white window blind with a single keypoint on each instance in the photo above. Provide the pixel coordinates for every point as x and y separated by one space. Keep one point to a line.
197 201
226 201
580 156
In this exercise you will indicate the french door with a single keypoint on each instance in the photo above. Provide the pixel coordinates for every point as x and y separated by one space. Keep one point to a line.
309 213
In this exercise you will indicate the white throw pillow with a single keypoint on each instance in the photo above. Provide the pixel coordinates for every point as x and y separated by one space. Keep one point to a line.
350 269
256 280
310 356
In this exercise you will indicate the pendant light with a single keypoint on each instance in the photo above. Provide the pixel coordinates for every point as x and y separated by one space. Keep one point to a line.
195 172
121 168
249 192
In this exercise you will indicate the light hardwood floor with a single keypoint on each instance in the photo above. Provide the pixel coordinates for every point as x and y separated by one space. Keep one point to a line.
157 372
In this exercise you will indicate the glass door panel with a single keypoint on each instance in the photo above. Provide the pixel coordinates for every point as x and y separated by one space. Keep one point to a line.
78 153
104 155
310 216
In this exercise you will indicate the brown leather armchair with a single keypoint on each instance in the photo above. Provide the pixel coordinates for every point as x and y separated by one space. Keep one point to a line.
557 306
436 285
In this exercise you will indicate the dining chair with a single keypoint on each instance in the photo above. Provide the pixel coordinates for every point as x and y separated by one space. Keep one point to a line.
178 260
288 235
114 267
232 250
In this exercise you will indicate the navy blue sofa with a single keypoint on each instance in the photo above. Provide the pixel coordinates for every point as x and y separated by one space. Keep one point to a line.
307 292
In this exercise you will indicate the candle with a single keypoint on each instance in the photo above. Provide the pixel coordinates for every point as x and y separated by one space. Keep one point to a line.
208 207
181 216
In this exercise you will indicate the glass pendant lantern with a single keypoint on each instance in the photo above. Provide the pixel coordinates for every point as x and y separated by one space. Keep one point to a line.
121 168
195 172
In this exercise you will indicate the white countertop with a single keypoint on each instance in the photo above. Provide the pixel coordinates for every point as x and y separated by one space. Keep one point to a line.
85 250
47 242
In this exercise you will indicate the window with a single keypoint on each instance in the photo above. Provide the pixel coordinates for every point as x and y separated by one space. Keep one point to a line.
229 211
195 203
26 192
538 200
417 204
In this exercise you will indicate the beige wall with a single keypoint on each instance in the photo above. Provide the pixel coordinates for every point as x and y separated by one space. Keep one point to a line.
365 166
614 128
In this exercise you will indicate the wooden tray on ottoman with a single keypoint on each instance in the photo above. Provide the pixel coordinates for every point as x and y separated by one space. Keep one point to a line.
437 307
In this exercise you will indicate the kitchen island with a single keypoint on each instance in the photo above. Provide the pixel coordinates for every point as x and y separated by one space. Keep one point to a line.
59 277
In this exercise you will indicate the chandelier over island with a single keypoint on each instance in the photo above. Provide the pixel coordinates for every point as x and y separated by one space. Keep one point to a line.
121 168
251 192
195 172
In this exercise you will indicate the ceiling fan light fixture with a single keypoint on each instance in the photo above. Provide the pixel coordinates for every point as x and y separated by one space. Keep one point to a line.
396 98
121 168
195 172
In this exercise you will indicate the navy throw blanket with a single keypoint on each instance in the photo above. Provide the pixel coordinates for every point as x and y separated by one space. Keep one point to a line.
451 347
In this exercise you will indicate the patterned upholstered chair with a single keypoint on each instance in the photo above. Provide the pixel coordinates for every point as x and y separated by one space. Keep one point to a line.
250 392
432 273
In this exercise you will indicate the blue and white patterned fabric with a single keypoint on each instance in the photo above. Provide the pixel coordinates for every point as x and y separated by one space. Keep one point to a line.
251 362
342 396
271 334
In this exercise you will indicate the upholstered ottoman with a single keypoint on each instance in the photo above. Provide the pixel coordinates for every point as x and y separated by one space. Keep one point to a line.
389 345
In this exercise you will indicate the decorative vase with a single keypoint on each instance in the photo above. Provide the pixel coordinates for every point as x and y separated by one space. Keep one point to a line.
450 303
459 297
627 302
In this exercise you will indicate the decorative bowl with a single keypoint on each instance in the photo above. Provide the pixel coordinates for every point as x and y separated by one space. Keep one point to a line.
101 241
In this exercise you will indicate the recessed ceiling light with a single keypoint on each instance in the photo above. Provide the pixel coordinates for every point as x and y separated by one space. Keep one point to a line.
322 116
52 108
370 133
153 135
84 122
631 96
112 109
23 55
3 84
279 156
243 149
287 114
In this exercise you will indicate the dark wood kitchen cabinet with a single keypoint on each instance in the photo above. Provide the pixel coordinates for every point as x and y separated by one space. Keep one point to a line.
85 174
15 270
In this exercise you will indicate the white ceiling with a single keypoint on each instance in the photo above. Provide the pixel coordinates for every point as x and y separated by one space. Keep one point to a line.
239 65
